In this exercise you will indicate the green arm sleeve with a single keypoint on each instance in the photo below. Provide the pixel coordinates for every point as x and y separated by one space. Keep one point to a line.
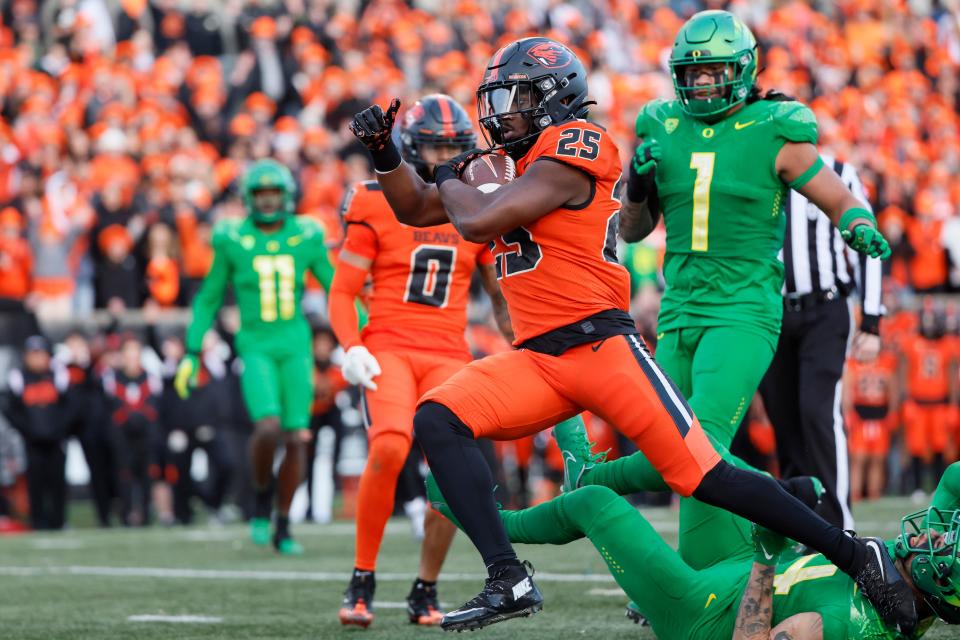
208 299
322 268
947 495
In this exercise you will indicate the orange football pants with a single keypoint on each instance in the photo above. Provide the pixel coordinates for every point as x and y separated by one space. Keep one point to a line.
869 437
927 427
406 375
514 394
388 416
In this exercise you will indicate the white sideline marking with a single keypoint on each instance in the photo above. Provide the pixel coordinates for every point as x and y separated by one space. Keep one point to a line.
149 617
400 605
240 574
607 592
57 543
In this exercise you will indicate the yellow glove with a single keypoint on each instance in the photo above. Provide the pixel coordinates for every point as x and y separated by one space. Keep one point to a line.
186 377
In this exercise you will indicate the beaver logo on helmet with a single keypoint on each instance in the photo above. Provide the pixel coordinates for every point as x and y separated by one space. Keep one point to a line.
538 79
551 55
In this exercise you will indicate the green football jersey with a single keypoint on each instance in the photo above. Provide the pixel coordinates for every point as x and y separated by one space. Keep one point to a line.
267 272
722 204
806 584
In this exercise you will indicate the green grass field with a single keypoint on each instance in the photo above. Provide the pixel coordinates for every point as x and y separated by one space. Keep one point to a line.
87 583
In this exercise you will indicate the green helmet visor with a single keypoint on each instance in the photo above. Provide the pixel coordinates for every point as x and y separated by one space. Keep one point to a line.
931 536
710 85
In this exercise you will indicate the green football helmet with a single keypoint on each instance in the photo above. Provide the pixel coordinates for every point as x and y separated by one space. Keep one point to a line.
265 175
714 37
935 570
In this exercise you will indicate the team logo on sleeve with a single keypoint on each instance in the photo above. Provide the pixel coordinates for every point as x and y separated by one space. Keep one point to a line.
551 55
670 124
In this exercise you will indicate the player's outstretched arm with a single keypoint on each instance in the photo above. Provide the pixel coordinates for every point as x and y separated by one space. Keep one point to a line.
481 217
800 166
488 276
414 202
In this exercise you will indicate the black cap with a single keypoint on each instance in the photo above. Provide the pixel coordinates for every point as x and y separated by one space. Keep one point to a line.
37 343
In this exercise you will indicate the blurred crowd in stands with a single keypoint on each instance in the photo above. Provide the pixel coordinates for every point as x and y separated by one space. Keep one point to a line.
124 125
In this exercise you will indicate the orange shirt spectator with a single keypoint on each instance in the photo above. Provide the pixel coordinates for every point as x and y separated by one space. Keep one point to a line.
928 264
16 259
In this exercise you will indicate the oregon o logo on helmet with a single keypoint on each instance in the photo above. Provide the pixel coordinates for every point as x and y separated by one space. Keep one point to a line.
551 55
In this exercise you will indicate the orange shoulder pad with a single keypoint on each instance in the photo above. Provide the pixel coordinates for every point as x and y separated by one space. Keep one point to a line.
578 143
364 203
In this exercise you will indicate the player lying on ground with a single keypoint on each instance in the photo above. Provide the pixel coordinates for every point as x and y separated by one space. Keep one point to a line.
764 588
553 232
265 257
413 342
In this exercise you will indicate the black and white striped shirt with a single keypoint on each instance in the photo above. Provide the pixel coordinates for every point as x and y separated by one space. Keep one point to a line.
817 260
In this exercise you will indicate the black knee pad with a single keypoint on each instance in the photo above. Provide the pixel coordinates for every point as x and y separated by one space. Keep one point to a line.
434 421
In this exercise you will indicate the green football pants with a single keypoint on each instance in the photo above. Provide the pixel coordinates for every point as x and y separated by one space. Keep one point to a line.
680 602
718 370
278 386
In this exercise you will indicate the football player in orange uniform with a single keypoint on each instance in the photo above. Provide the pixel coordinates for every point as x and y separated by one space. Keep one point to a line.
927 412
553 231
414 341
870 400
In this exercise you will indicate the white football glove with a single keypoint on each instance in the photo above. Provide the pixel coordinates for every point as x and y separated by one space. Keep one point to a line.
360 367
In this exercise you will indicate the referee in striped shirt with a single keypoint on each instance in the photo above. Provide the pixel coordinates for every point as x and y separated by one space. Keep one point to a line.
801 390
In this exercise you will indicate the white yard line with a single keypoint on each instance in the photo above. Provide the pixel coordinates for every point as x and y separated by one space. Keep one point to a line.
607 592
150 617
57 543
239 574
403 605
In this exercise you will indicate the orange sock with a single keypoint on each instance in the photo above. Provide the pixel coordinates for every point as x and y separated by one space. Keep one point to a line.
378 485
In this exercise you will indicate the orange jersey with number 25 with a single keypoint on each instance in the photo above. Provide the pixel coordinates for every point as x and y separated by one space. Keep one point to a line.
563 267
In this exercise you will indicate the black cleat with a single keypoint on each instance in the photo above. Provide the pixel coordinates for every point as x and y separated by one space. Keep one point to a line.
633 614
886 589
357 607
510 593
423 606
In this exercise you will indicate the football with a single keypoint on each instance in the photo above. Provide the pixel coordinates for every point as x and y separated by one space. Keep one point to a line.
489 172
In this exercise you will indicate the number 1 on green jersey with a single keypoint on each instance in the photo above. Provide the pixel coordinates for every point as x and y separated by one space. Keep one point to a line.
702 163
